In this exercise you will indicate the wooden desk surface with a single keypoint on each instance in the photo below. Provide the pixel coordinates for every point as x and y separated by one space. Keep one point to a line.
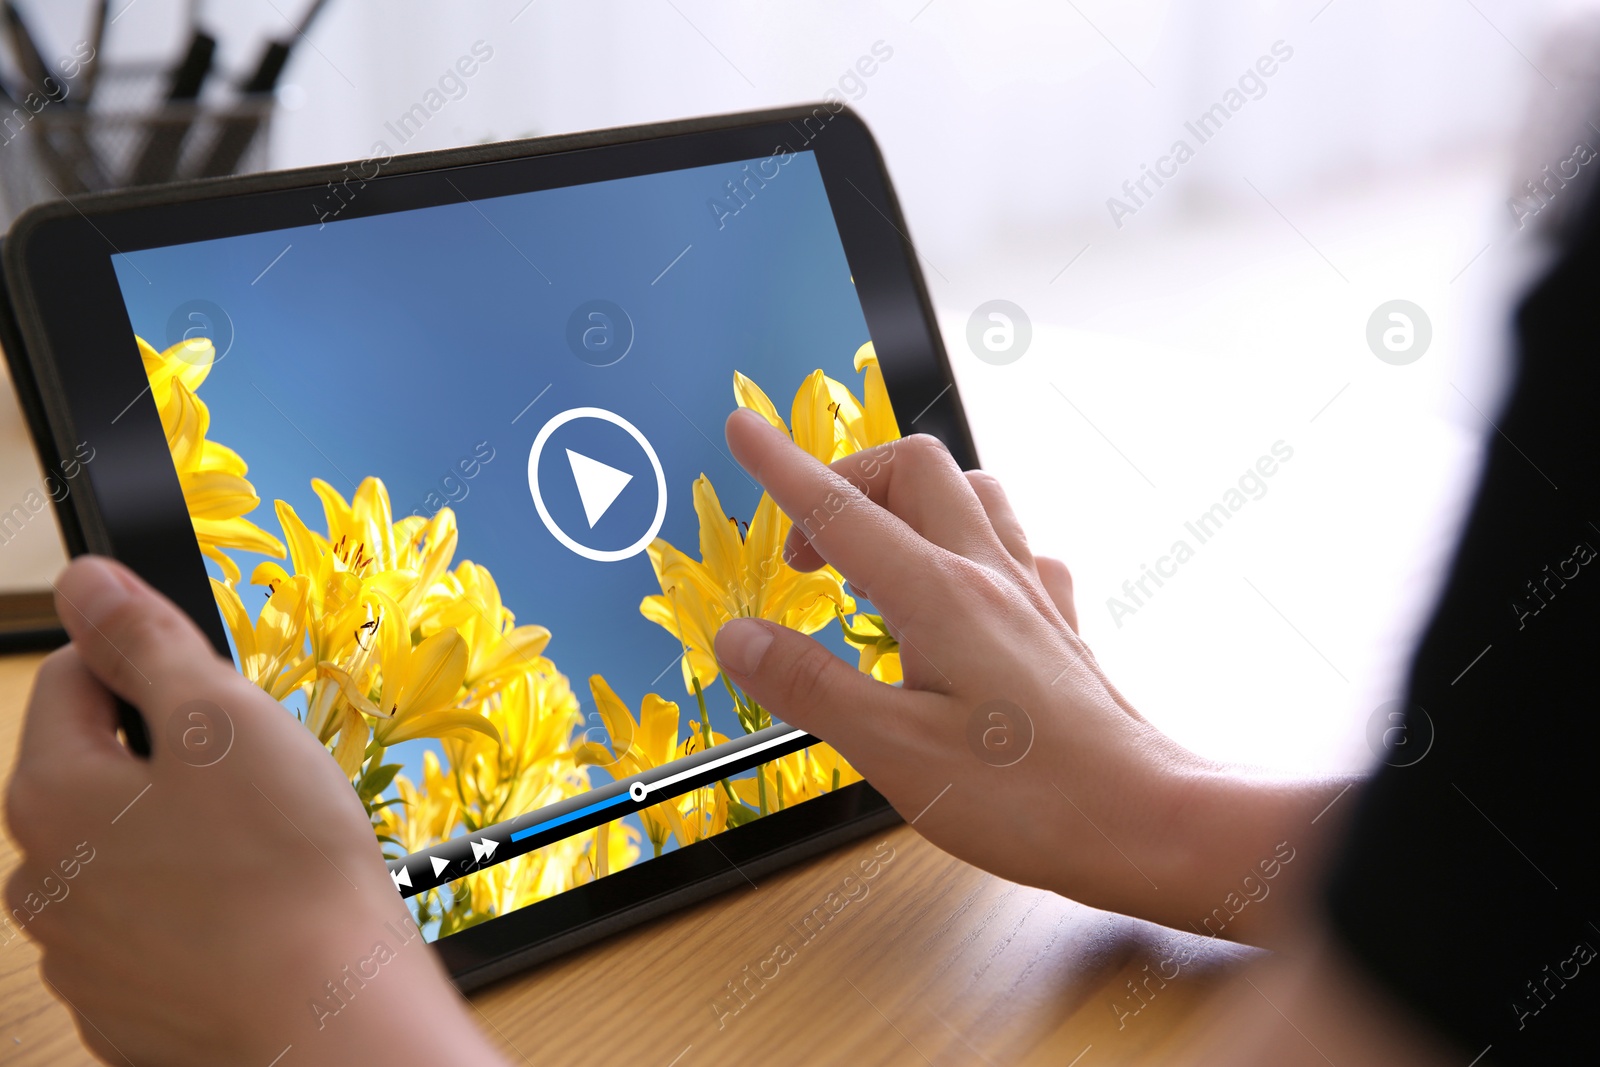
938 963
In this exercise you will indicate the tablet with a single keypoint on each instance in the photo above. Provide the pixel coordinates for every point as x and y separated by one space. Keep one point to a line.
432 447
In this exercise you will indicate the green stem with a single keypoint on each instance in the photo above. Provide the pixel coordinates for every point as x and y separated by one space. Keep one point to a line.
738 705
705 719
758 714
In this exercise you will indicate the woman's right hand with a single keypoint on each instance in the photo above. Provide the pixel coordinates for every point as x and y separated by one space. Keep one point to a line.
1007 746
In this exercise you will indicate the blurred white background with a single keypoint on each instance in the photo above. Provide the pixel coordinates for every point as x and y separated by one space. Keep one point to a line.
1227 313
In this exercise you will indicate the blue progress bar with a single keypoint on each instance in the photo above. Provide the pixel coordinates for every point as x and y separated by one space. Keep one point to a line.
560 820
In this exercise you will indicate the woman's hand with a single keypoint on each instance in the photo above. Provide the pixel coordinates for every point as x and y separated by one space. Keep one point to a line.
225 899
1007 745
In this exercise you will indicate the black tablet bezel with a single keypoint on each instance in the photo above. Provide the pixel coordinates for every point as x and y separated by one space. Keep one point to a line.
70 345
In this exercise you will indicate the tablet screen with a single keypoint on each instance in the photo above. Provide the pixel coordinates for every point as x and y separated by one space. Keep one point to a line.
459 477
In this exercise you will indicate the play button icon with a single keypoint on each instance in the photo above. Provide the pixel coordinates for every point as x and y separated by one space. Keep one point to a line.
598 484
598 487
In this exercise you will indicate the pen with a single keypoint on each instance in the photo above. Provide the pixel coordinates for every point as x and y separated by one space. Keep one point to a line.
169 128
84 161
236 133
97 40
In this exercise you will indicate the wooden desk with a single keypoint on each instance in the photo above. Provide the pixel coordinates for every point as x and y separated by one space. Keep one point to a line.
939 963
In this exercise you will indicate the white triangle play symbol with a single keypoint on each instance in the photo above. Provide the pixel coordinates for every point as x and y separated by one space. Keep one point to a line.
439 864
598 484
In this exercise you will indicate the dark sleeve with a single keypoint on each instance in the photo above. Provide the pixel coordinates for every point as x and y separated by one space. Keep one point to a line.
1467 886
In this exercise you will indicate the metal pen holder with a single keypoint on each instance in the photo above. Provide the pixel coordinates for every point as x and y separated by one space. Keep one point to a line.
129 136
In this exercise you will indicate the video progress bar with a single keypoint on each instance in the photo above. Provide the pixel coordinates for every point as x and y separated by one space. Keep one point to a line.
444 863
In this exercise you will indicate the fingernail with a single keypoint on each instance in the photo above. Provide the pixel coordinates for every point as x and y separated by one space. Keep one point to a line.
741 644
91 588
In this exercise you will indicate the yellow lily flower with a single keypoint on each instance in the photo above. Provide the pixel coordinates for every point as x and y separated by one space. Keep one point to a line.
702 812
419 691
405 559
823 417
271 650
826 418
828 769
499 650
636 746
830 424
333 589
736 577
339 613
364 556
211 475
878 424
532 764
427 814
880 652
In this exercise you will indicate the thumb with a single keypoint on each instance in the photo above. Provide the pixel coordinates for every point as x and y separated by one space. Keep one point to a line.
801 682
136 641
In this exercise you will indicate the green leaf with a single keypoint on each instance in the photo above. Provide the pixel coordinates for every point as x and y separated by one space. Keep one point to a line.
377 779
738 814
